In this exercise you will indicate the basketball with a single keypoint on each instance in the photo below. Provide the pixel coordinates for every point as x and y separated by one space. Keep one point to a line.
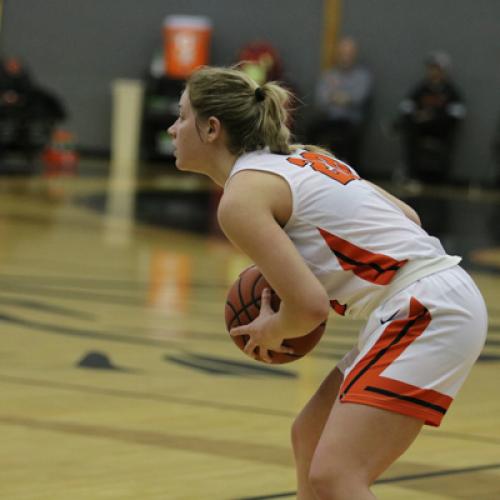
243 306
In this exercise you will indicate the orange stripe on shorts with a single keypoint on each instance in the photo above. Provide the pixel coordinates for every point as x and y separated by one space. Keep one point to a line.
365 385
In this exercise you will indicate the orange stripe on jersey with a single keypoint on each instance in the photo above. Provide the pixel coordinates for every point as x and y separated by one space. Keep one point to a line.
338 307
365 385
373 267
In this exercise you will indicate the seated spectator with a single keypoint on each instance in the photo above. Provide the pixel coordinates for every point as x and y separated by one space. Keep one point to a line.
429 116
341 104
28 113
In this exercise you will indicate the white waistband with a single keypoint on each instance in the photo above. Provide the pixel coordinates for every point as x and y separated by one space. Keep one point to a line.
408 274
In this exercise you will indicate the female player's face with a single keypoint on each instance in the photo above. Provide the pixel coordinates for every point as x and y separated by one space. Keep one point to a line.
189 148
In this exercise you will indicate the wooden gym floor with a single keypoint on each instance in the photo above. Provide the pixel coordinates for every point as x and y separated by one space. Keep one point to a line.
118 380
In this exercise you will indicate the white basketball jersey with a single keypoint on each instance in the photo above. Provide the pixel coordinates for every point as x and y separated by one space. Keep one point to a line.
359 245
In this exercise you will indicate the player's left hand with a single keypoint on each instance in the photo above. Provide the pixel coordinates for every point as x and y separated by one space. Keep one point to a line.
261 333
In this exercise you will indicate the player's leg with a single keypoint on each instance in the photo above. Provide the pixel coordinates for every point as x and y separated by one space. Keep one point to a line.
357 444
307 429
385 395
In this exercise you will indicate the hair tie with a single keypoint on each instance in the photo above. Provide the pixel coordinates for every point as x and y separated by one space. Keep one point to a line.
259 94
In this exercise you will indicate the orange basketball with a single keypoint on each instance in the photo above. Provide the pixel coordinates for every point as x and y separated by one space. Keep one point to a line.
243 306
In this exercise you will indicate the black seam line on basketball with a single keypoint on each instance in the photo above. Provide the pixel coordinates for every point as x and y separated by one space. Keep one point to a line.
410 399
238 313
236 316
396 479
254 301
254 286
401 334
373 265
240 295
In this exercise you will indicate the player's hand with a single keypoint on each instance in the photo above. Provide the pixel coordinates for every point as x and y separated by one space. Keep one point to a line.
261 333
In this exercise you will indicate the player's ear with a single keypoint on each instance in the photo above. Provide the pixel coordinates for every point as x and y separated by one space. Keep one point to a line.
213 128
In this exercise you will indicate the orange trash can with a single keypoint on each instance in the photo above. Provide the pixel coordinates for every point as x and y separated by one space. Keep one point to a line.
186 44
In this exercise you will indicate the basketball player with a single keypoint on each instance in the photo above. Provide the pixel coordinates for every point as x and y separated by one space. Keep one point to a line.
325 238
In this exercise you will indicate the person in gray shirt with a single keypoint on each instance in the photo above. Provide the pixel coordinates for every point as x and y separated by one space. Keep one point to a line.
341 100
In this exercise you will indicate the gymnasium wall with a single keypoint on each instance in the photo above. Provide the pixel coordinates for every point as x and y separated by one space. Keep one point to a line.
395 36
78 48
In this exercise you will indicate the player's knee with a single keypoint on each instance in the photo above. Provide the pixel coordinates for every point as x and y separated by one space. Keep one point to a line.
322 474
331 478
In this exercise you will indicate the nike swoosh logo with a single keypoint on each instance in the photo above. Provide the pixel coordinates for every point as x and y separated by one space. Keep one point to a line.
390 318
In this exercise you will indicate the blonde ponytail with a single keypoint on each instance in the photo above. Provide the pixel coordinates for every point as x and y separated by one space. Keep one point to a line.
274 118
254 117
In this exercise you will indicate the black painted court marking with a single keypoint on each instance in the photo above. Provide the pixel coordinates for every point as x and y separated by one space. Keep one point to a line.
397 479
224 366
37 305
66 293
127 394
53 329
84 294
97 283
75 282
144 396
50 328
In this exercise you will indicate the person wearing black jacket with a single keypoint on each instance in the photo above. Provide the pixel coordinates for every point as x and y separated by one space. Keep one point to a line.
28 113
429 116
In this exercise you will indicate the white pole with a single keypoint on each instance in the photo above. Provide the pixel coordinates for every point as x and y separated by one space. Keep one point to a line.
126 125
125 138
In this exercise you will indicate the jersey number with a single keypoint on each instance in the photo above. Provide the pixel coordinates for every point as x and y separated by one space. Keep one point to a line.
333 168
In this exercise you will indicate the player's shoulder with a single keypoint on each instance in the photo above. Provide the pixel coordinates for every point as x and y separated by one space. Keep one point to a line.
251 190
254 184
261 158
258 169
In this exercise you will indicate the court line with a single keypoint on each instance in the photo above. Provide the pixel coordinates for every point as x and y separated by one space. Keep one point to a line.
128 394
232 449
77 332
49 328
396 479
71 294
270 454
462 437
225 366
99 283
45 307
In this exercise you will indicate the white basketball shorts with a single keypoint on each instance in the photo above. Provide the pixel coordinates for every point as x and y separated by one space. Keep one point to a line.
418 347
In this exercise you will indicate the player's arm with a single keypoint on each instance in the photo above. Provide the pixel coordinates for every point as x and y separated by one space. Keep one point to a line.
249 212
406 209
